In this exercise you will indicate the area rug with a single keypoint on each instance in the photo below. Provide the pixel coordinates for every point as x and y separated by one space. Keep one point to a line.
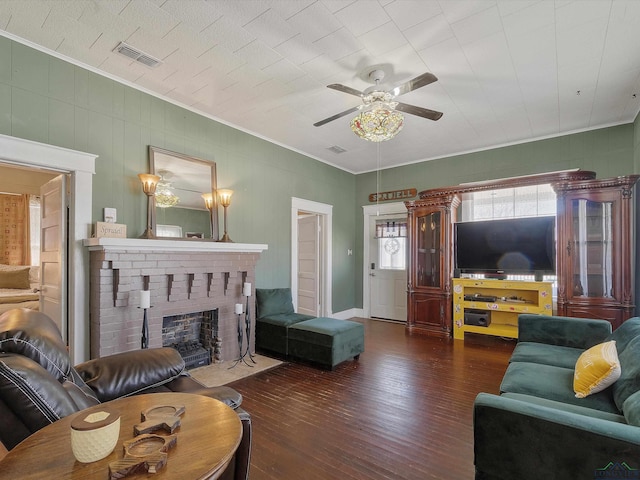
223 373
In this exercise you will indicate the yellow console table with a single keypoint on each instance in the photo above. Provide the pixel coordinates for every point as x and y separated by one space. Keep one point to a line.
491 307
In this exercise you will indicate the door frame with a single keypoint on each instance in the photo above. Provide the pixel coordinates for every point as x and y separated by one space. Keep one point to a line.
325 211
80 167
370 212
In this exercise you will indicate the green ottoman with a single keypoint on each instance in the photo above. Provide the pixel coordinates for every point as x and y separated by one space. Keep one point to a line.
326 341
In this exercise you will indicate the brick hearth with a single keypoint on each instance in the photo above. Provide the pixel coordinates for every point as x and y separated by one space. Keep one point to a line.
183 277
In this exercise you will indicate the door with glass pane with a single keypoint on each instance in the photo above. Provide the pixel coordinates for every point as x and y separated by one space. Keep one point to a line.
591 249
388 268
595 245
429 250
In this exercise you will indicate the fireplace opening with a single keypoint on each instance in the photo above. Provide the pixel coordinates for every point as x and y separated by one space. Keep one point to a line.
194 336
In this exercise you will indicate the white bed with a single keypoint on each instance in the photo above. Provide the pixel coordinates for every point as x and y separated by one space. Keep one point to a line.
11 298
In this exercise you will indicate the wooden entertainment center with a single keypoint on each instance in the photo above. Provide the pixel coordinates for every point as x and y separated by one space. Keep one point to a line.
594 251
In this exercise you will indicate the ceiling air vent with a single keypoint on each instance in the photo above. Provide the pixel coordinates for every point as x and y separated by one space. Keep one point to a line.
336 149
137 55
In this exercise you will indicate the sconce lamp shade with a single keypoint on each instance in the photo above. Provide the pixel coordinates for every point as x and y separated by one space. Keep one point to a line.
225 197
225 200
208 200
149 182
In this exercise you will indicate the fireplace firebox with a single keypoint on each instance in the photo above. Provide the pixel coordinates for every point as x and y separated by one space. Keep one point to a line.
194 336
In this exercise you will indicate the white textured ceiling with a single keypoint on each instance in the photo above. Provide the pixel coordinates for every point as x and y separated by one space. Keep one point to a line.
509 70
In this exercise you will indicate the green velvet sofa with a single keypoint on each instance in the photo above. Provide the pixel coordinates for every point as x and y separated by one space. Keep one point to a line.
536 428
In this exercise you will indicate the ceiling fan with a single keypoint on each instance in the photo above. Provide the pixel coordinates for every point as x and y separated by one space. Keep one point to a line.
375 97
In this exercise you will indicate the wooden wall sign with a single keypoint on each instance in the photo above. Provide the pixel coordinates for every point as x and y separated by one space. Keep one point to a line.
393 195
111 230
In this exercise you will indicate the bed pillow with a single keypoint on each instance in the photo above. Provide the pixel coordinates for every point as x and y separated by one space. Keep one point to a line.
596 369
11 268
15 278
34 274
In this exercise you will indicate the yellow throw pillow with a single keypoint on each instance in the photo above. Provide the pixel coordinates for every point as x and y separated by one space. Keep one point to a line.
596 369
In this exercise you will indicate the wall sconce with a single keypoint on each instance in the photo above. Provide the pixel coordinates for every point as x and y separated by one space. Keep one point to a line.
225 200
149 183
210 203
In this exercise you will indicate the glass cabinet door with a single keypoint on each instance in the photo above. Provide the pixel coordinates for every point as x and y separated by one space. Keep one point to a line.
591 248
428 255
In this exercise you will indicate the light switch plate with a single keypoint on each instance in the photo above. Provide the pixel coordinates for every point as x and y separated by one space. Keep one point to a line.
110 215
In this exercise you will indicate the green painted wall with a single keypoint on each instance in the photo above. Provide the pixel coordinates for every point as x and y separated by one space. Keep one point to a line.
608 151
51 101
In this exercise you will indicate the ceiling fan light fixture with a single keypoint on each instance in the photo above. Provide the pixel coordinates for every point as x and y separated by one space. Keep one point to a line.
378 124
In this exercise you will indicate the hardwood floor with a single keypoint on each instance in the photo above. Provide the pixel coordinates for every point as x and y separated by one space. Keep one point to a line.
403 411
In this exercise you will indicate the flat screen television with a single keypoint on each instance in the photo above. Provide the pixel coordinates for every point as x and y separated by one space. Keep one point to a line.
515 245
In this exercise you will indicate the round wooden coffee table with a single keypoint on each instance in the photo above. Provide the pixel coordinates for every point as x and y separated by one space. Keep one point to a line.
209 435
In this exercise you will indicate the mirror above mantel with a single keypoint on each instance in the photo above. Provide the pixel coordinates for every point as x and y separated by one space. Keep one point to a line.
180 210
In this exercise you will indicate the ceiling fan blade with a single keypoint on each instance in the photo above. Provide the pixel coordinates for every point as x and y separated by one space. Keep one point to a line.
413 84
345 89
419 111
335 117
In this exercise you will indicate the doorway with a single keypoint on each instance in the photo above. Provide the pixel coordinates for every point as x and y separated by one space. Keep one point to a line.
80 168
388 267
311 225
48 251
385 262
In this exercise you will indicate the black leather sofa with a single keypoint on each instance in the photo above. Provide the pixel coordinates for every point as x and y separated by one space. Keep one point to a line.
38 384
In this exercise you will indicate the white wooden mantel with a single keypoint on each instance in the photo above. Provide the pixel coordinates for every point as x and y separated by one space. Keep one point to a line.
164 245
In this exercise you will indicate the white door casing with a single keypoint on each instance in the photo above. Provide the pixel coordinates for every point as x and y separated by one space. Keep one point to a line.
326 212
371 212
53 254
308 264
81 168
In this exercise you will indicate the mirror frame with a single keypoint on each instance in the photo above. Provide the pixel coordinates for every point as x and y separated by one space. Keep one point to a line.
213 214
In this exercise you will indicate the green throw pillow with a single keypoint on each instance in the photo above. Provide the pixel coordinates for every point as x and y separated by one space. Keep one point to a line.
626 332
272 301
631 409
629 381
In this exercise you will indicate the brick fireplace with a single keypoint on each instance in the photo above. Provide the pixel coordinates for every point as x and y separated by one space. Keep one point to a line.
183 276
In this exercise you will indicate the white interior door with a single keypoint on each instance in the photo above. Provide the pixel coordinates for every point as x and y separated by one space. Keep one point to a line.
387 271
309 264
324 212
53 255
